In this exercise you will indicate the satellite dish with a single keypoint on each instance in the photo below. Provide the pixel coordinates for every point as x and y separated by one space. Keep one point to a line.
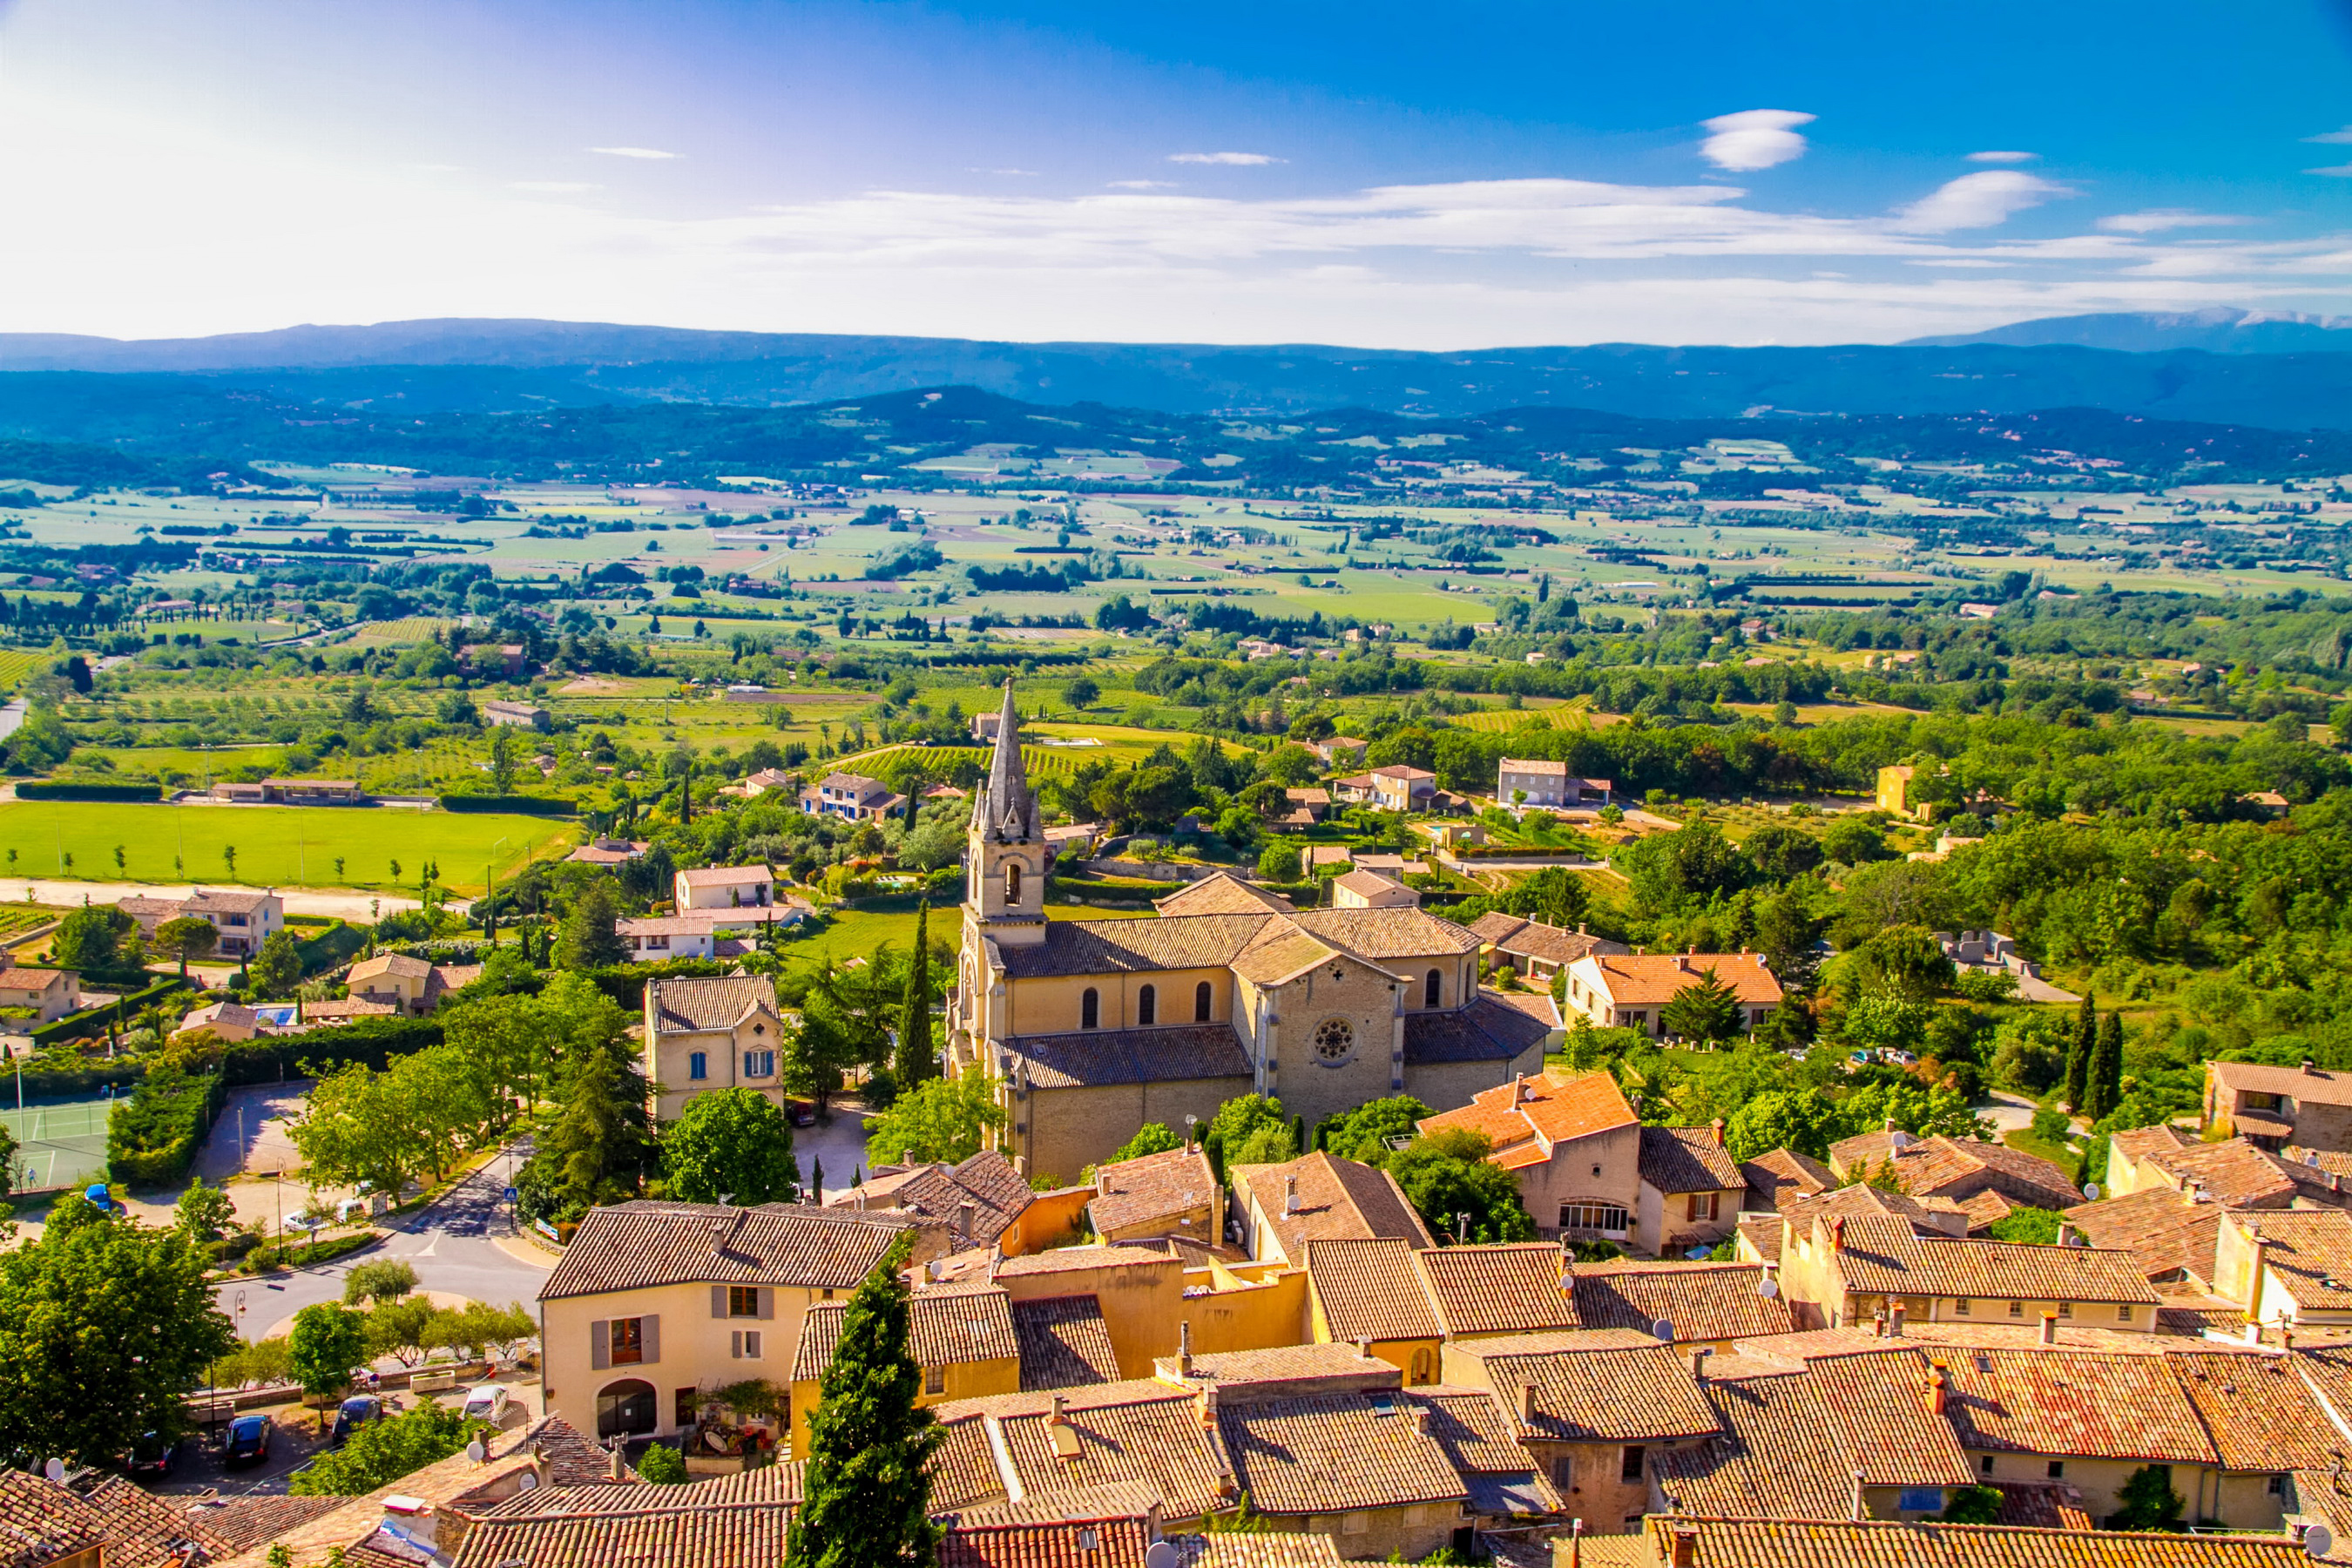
1664 1329
2091 1191
56 1470
527 1481
1159 1554
1768 1287
477 1450
2319 1541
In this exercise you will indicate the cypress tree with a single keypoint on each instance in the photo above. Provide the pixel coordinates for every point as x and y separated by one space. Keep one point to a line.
867 1490
916 1059
2078 1051
2105 1081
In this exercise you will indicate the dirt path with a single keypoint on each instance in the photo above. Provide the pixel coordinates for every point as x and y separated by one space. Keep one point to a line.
332 902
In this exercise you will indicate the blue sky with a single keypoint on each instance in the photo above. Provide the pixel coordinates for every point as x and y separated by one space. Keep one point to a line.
1420 177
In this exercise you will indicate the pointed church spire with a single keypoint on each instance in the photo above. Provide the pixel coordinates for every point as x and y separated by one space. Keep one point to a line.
1005 808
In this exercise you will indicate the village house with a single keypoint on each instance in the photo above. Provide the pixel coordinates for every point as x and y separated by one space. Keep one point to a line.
1573 1144
1339 751
1620 991
2232 1173
959 1335
1987 1180
723 887
1535 950
1521 783
43 994
853 797
2289 1266
1690 1191
243 920
2271 1107
1845 1270
1370 890
1092 1028
520 715
654 1302
407 983
1174 1193
1318 1197
980 1201
1715 1304
610 851
705 1034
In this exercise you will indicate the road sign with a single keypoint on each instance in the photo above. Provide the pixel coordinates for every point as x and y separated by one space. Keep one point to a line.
511 1195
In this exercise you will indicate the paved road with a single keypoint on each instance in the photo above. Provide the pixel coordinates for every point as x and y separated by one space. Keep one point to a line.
361 908
454 1245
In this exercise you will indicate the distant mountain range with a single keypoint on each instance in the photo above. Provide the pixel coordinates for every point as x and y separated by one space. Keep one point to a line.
2228 366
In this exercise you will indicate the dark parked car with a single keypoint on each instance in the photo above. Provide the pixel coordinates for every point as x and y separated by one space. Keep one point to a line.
247 1441
802 1112
357 1412
152 1454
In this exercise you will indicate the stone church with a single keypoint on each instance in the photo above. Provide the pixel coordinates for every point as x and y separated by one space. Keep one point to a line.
1092 1028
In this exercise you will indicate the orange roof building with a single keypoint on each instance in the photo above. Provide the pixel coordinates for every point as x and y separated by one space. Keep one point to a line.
1627 991
1573 1143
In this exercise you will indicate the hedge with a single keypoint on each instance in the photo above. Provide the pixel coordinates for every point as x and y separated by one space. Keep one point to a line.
526 804
73 1025
374 1041
152 1137
46 789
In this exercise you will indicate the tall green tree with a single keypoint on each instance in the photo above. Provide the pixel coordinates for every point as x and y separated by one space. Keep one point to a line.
917 1058
1705 1010
89 938
381 1452
2147 1501
106 1327
730 1146
595 1143
1446 1176
327 1345
2078 1052
185 938
277 969
2102 1081
589 940
943 1119
867 1490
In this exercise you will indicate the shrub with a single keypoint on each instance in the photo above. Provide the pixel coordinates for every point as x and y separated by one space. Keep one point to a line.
662 1465
42 789
523 805
151 1138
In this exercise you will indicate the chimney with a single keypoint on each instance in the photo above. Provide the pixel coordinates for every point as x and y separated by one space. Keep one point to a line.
616 1465
2286 1333
1289 1195
967 1216
1102 1184
1878 1323
1526 1404
2257 1254
1860 1512
1420 1420
1576 1544
995 1260
1060 1412
1184 1347
1363 1347
1938 1390
1683 1552
1698 1364
1895 1320
2065 1233
1209 1409
1837 1233
2049 1335
2310 1069
1715 1131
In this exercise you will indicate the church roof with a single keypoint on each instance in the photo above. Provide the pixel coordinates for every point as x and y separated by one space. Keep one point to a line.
1095 1056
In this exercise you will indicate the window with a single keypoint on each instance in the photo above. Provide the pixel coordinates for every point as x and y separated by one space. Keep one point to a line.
2017 1309
1984 1464
1334 1039
1563 1473
1433 988
2124 1312
1147 1006
742 1300
1355 1523
2066 1309
1960 1307
698 1065
759 1064
2057 1469
1606 1218
1013 882
1201 997
1629 1467
1423 1369
747 1345
2277 1487
626 1340
935 1379
1701 1206
1090 1009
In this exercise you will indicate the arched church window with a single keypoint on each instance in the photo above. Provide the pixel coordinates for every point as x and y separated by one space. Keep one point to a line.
1090 1009
1147 1006
1201 999
1433 988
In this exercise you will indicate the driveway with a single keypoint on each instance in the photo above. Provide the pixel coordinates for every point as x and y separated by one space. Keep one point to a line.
839 1146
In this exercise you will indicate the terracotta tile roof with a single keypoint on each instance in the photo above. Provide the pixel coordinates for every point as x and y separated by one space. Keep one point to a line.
1780 1172
1075 1543
2041 1505
2165 1233
1274 1549
1860 1199
254 1519
767 1486
1703 1301
142 1530
682 1537
987 1180
1958 1168
1337 1199
1097 1057
2313 1084
738 875
1369 1289
1812 1343
1889 1543
963 1467
1334 1453
1064 1342
2233 1173
1885 1256
1125 1432
1152 1189
2195 1316
1120 1500
1493 1028
2260 1414
2309 1253
1519 938
1280 1372
1280 952
1561 1108
947 1325
1386 934
1640 980
1221 893
706 1005
2067 1402
1069 1259
1762 1234
1118 947
627 1247
1688 1159
1780 1455
1594 1387
1513 1287
1878 1400
2137 1143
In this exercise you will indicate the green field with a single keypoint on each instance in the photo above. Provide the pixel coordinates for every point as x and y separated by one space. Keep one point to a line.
276 846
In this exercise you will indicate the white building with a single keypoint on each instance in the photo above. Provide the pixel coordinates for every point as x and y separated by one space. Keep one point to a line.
725 888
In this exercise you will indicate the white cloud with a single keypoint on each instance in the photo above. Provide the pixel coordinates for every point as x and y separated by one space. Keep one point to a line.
1141 184
635 152
552 187
2333 171
1247 158
2000 157
2156 220
1027 174
2343 135
1977 201
1754 139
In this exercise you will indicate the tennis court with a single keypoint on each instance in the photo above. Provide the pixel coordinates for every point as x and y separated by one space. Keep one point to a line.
59 1144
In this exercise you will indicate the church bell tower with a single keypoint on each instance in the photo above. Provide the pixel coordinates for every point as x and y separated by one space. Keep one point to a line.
1006 857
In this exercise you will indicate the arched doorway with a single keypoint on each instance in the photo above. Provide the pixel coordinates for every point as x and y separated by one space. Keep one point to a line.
628 1407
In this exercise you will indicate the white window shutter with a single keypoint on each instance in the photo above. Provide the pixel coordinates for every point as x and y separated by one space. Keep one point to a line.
600 1344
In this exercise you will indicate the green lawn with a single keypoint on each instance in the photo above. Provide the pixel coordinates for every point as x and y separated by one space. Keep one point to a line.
276 846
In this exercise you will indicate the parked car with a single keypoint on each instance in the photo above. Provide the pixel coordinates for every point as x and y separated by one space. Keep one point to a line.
802 1112
247 1440
152 1454
357 1412
485 1402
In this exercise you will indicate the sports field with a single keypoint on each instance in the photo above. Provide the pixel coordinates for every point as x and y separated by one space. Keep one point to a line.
58 1144
290 845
